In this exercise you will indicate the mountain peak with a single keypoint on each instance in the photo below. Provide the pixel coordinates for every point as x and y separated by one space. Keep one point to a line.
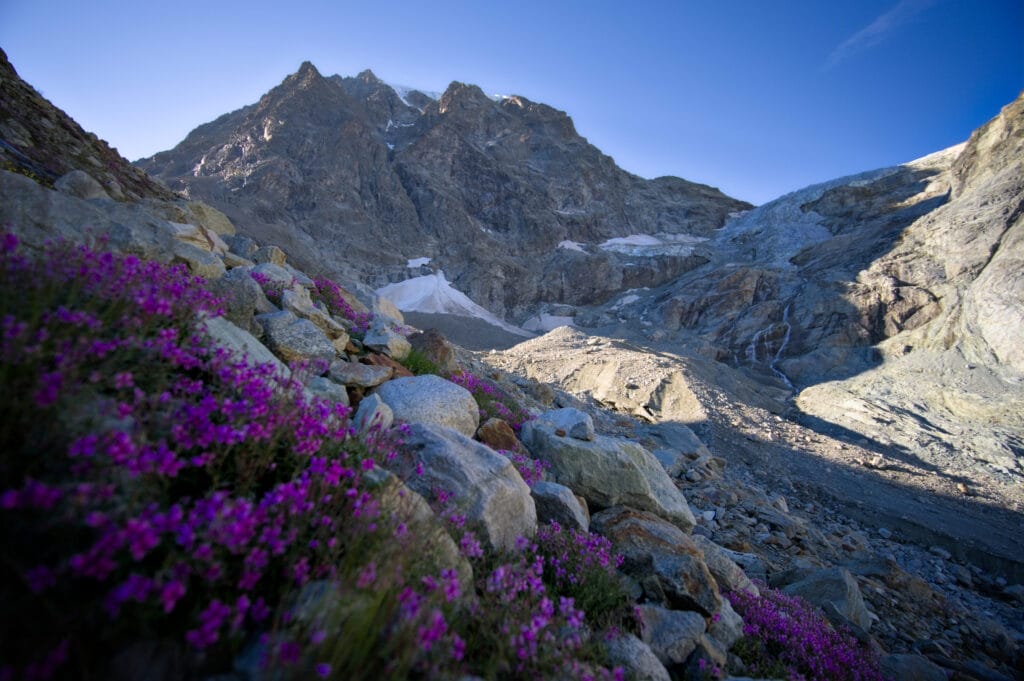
307 69
305 76
463 96
368 76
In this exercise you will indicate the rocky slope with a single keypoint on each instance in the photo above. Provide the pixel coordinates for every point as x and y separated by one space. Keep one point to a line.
40 140
354 179
888 303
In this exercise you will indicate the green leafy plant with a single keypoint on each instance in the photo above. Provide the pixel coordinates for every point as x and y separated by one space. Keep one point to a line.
418 363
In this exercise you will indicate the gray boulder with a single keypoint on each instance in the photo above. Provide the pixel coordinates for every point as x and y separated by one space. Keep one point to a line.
672 634
607 471
275 273
382 307
572 422
297 301
403 504
242 245
80 184
212 219
834 590
636 658
372 412
200 237
663 559
242 297
727 627
324 388
301 278
557 503
359 375
200 263
433 400
293 339
241 343
268 254
388 341
726 572
485 485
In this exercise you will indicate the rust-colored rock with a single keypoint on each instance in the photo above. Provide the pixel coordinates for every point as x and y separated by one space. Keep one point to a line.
383 361
498 435
436 348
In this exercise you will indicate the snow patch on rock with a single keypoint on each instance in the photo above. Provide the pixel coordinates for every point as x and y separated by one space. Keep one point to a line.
571 246
646 245
433 293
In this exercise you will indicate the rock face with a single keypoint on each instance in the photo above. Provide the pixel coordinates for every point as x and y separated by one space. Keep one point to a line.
607 471
664 561
349 177
484 483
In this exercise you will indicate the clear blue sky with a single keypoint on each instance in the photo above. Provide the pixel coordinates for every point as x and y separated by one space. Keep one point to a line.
756 97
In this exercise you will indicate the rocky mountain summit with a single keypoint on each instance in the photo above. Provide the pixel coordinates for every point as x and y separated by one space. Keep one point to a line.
354 179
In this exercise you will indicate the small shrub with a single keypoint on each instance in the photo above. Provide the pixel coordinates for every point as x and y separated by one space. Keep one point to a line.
152 485
786 637
154 488
521 626
333 297
272 288
418 363
491 400
531 470
582 566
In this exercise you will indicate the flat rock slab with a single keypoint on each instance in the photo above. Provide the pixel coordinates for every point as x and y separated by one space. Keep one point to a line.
358 375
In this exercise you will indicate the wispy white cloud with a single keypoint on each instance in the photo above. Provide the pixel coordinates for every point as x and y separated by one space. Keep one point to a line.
877 31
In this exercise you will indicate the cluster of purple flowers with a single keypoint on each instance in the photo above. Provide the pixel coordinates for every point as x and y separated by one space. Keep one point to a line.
493 403
333 297
273 289
147 474
532 470
523 620
151 482
787 636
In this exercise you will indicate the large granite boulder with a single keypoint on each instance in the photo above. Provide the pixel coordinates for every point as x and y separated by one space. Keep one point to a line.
294 339
664 560
606 471
485 485
431 400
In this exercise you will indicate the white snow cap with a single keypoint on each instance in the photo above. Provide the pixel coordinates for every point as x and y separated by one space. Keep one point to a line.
417 262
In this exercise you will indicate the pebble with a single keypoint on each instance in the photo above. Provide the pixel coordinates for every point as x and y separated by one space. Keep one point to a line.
940 552
884 533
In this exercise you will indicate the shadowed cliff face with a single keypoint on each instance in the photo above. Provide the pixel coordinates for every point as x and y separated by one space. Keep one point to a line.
352 178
